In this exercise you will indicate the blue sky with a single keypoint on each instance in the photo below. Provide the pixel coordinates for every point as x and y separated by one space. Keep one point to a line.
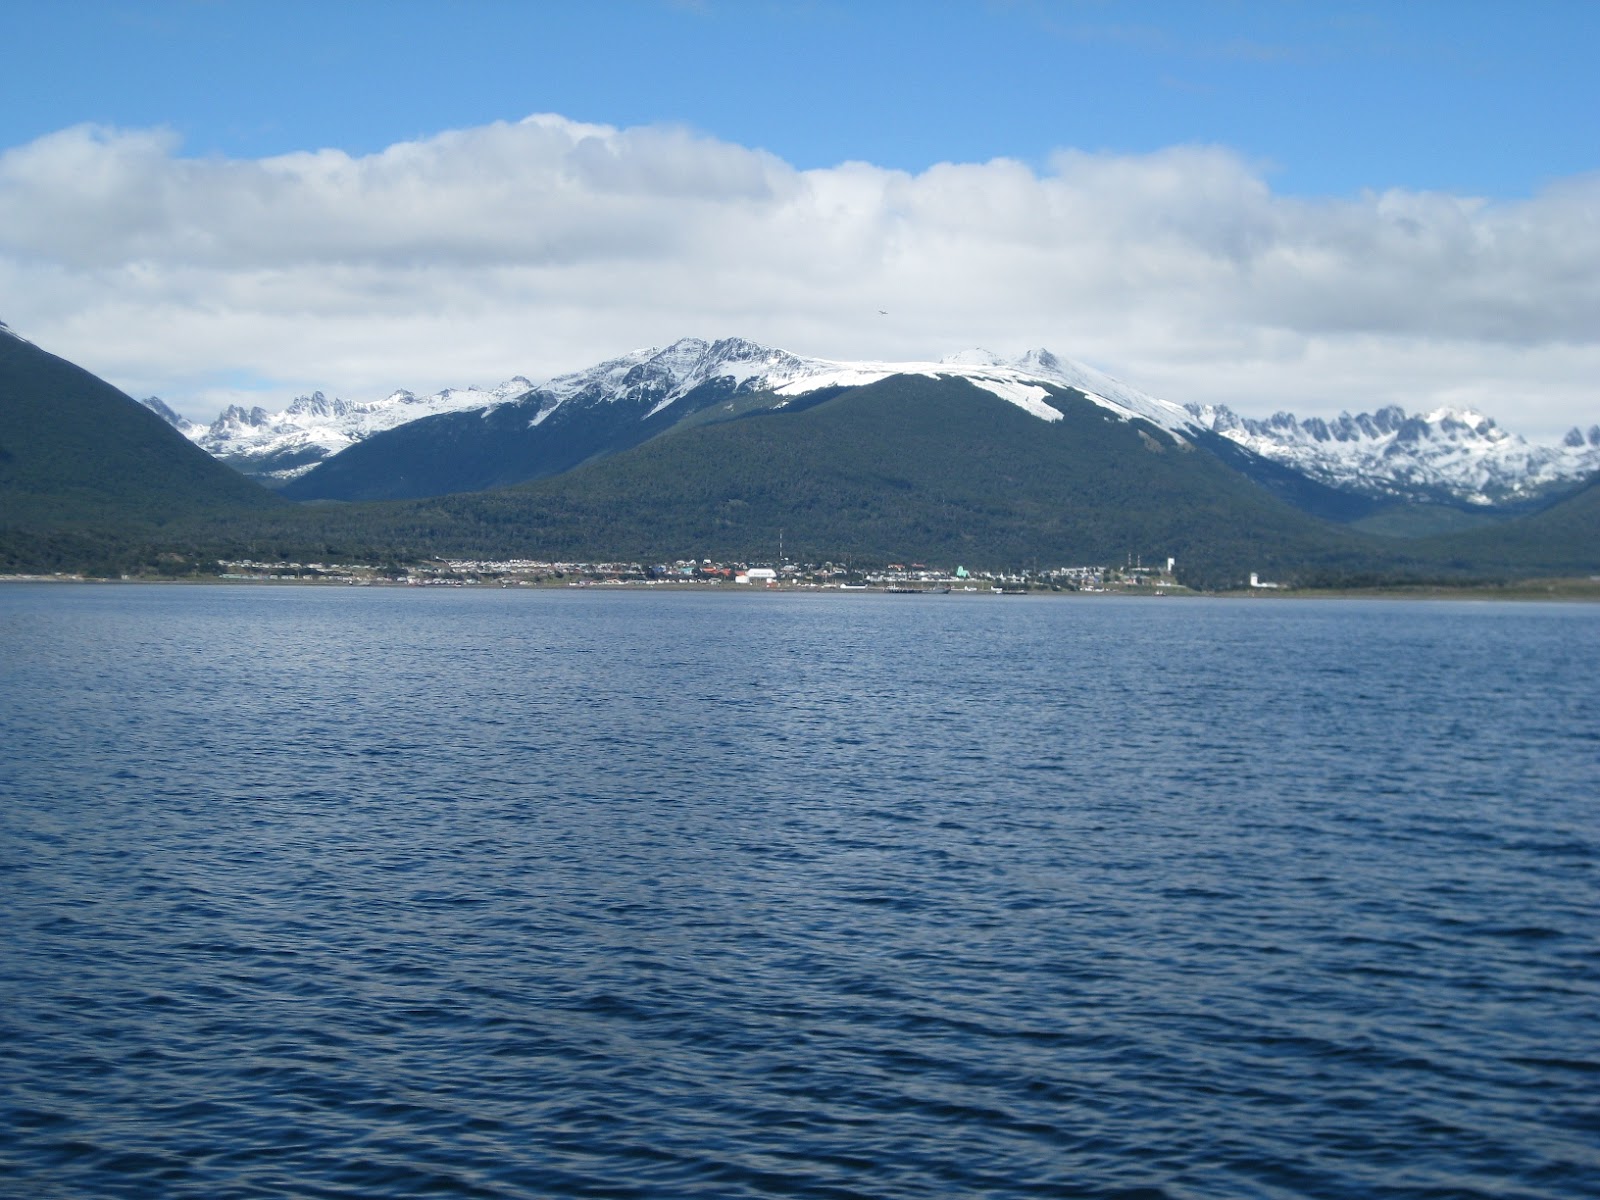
1440 133
1488 98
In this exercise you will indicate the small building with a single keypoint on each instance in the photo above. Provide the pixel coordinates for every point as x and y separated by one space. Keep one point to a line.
763 575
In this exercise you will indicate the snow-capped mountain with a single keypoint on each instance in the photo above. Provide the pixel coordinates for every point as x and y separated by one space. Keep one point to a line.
667 375
1447 454
279 446
660 377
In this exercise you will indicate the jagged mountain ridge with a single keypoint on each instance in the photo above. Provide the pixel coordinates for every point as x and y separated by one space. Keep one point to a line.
277 447
1450 456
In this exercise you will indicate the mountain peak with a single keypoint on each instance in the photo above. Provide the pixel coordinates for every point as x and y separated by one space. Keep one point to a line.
163 410
1040 359
1576 439
975 357
236 414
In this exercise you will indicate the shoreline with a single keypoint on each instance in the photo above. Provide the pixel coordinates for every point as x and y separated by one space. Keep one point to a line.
1570 590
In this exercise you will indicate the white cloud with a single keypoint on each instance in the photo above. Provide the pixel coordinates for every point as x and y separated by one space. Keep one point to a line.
545 245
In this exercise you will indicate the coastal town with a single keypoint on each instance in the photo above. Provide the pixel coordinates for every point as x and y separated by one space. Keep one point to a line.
1133 576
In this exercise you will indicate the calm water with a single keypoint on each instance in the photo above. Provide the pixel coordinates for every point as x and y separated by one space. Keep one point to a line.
371 893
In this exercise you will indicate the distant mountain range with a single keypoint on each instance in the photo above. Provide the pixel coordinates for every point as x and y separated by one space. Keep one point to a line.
338 449
729 449
276 447
1448 455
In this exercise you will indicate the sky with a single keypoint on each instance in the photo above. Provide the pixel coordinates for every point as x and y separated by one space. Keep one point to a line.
1311 207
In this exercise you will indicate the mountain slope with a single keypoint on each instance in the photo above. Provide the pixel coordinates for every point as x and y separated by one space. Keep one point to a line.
940 470
90 479
76 451
1563 539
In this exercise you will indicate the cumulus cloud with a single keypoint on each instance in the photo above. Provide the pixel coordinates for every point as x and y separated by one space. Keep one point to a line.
546 244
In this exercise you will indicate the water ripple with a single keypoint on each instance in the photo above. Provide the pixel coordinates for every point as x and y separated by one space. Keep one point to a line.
321 893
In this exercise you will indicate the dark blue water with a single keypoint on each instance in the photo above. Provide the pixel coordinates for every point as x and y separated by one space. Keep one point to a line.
367 893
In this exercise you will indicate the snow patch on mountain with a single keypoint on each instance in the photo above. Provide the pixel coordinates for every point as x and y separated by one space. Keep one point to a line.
1030 397
1112 394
